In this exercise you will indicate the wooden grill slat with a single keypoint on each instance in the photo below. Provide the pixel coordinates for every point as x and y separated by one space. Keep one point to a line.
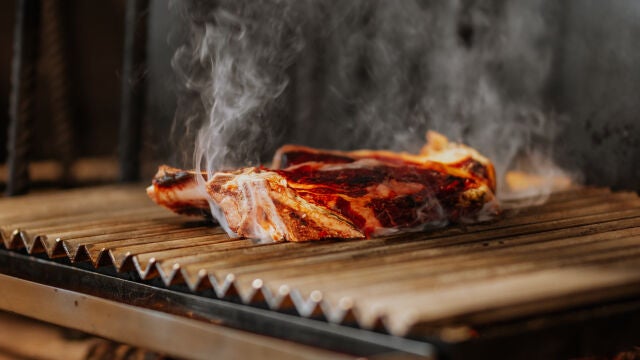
591 206
420 264
372 250
69 203
582 246
466 268
93 220
565 284
434 271
117 244
181 256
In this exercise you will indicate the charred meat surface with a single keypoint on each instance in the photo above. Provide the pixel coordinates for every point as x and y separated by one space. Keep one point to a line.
316 194
437 150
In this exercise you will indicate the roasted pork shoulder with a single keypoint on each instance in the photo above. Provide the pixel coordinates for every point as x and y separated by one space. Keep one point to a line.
315 194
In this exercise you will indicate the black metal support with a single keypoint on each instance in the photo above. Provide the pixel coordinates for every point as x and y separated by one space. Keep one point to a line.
21 104
133 89
55 50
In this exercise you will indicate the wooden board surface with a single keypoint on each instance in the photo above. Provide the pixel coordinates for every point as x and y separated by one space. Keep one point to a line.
582 247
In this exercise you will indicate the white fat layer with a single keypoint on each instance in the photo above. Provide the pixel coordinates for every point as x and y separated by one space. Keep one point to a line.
254 204
255 197
187 194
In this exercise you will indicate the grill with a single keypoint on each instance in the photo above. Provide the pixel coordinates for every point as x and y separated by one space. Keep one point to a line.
459 285
108 261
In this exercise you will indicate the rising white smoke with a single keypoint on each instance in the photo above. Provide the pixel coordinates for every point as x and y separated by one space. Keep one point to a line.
367 74
235 62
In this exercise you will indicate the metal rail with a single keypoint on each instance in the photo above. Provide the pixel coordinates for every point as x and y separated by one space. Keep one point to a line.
168 334
133 89
21 103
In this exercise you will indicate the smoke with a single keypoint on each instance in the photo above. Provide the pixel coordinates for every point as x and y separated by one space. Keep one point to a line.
367 74
234 70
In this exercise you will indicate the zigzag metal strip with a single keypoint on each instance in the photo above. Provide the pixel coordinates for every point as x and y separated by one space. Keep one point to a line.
225 287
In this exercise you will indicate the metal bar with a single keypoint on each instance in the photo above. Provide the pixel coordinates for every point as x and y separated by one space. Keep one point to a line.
133 89
54 40
169 334
602 329
21 104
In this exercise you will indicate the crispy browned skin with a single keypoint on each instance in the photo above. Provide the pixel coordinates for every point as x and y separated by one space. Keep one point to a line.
316 194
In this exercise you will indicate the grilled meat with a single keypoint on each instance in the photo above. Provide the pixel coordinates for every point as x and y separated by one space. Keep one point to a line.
437 149
315 194
314 200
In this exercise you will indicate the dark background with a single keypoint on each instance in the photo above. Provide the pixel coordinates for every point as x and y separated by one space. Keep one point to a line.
95 30
595 82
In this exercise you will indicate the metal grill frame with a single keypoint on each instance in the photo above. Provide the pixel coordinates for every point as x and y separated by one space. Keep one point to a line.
106 283
602 329
40 246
